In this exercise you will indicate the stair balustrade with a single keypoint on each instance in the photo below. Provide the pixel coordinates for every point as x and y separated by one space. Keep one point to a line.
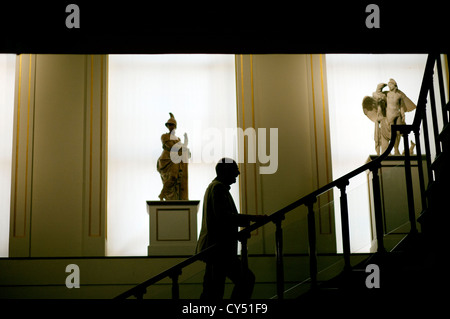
419 122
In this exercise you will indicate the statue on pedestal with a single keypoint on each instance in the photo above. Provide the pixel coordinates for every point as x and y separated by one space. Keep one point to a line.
385 108
172 165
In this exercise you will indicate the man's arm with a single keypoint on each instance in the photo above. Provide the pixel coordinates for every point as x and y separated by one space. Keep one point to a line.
244 220
226 210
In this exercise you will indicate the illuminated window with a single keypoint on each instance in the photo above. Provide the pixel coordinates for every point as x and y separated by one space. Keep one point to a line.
200 91
350 77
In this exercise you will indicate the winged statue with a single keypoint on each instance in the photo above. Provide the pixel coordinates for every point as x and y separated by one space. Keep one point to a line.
385 108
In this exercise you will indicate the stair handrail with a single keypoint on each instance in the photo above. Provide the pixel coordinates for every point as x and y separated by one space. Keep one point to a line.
308 199
373 164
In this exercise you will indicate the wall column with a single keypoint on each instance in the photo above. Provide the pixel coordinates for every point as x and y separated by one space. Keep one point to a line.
286 92
95 160
321 149
58 204
250 182
21 177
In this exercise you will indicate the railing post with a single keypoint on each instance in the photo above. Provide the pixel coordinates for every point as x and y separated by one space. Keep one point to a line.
279 256
139 294
345 225
426 139
423 196
378 213
441 89
175 287
312 242
437 144
409 188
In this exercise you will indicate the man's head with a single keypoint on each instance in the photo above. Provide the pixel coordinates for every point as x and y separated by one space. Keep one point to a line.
227 170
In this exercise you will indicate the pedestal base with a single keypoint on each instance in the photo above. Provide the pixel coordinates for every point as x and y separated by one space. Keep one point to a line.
394 203
173 227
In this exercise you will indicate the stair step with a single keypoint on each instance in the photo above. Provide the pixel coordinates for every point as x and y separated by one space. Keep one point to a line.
440 164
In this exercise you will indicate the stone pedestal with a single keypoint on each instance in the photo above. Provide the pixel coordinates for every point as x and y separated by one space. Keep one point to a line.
394 203
173 227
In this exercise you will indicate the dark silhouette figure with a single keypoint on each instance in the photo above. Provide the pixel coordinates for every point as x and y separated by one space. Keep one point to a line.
220 226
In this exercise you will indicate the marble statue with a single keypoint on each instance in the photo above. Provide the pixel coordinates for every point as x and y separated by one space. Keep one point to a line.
172 165
385 108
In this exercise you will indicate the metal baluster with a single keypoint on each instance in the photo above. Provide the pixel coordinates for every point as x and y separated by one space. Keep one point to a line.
175 286
442 89
279 254
409 188
312 242
435 123
139 294
378 213
345 225
426 138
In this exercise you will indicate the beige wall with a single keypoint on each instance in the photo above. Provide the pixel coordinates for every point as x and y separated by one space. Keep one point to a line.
59 175
286 92
106 278
58 206
56 220
57 185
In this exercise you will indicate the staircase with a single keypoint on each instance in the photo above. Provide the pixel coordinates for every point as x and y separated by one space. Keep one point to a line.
415 268
408 272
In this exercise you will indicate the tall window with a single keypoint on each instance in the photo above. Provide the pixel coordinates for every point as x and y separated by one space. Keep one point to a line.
200 91
350 77
7 78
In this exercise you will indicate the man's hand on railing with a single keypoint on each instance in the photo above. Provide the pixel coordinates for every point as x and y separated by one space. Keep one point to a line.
245 233
259 218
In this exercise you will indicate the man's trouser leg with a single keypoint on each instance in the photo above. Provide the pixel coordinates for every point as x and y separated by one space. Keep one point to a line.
243 279
213 281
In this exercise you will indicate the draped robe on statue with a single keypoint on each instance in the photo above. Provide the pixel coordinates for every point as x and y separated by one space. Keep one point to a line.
173 175
172 164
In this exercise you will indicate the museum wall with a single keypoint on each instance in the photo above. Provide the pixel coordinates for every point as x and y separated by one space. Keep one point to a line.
57 180
58 197
287 92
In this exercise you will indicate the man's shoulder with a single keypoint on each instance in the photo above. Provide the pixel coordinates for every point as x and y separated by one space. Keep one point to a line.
217 185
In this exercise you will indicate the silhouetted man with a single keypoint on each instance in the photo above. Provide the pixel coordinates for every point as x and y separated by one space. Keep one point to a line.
220 224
